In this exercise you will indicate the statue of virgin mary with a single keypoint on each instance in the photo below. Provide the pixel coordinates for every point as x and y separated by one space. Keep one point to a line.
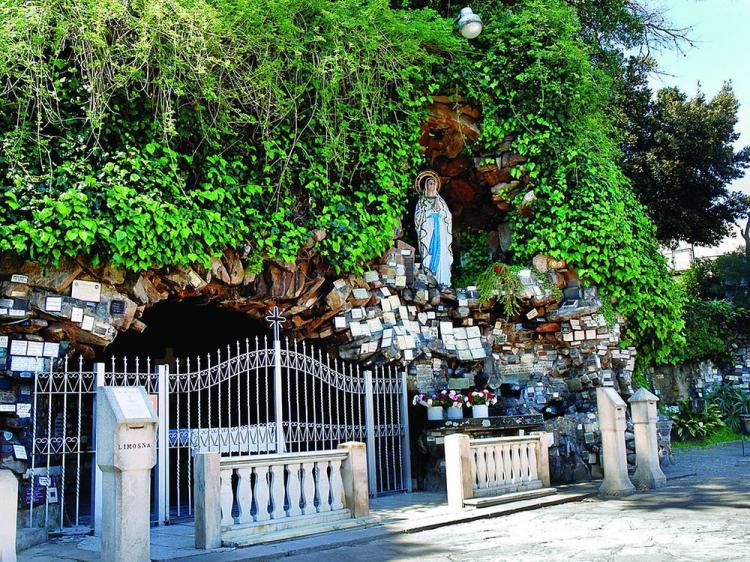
434 224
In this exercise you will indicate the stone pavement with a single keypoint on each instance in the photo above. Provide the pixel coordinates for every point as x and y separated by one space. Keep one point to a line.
701 517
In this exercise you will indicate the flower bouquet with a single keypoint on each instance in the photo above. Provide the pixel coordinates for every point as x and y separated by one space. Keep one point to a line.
434 402
480 400
455 405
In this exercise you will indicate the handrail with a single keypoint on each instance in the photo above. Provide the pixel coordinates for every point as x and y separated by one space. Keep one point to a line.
247 461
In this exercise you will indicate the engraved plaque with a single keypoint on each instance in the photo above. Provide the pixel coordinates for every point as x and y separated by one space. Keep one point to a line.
89 291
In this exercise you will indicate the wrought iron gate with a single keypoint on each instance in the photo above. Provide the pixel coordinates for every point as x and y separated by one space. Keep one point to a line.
251 398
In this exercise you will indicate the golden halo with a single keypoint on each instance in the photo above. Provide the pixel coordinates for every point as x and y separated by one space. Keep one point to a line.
421 179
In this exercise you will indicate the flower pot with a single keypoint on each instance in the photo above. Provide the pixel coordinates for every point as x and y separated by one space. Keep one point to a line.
455 413
480 411
434 413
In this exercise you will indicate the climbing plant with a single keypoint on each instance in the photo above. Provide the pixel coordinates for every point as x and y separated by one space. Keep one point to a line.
532 74
151 134
159 133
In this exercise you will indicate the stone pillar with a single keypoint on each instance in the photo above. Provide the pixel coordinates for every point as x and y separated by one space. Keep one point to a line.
612 410
354 477
8 515
542 457
126 452
458 469
207 494
648 473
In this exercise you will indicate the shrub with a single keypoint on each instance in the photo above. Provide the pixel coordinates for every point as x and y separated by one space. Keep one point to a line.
732 403
696 424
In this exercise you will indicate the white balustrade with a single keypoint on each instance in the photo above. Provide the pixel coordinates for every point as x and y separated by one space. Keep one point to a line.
503 462
491 467
263 493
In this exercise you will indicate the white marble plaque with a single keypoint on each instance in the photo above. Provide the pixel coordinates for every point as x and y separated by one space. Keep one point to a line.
89 291
18 347
33 364
87 323
3 341
51 349
18 278
53 304
76 314
131 403
23 410
20 452
35 348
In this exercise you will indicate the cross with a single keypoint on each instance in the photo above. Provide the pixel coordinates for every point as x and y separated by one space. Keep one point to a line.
275 319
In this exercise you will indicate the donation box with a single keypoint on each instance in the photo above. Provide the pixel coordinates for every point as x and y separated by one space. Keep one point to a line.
126 426
125 429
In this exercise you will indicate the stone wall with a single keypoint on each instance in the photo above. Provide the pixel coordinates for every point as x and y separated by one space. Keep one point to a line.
548 359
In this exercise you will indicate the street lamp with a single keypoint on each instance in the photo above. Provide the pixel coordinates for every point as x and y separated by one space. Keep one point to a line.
468 23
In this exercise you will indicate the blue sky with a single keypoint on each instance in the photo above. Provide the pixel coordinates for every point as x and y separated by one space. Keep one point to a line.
721 32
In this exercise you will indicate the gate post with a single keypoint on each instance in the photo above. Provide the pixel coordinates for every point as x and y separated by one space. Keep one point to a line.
162 466
97 491
372 474
406 439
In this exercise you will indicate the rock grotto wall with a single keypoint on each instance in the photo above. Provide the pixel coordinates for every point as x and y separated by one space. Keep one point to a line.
548 360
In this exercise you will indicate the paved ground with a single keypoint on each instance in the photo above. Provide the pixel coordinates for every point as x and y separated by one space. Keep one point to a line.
706 517
702 517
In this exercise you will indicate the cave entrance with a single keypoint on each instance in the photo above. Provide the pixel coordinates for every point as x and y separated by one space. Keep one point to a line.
185 329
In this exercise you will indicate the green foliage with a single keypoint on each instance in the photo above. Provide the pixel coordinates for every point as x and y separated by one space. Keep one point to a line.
696 424
679 154
501 283
532 74
718 436
732 402
156 134
724 277
714 309
471 246
709 329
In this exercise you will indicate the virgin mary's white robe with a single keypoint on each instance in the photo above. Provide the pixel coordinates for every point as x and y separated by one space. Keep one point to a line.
434 224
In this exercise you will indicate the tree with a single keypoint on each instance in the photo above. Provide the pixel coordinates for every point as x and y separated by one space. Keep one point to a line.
679 155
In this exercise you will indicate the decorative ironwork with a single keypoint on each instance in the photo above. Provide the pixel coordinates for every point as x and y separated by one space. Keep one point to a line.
248 399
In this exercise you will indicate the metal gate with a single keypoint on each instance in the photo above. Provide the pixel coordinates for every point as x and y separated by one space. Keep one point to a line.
251 398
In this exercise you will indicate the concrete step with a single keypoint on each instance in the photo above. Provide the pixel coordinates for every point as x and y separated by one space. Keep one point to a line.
251 539
26 538
507 498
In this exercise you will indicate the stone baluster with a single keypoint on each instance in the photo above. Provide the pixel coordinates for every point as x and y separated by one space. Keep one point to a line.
308 488
481 467
499 464
261 493
323 486
294 489
245 495
523 449
277 492
491 475
227 497
337 486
